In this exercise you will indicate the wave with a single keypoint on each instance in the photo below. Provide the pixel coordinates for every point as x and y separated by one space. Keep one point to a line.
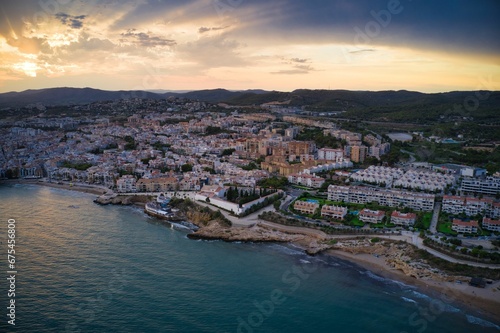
420 295
287 250
374 276
481 322
304 261
447 307
409 300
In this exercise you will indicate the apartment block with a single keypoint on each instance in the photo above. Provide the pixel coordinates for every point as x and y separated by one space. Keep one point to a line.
384 197
335 212
492 225
306 180
404 219
371 216
157 184
330 154
460 226
470 206
358 153
305 207
126 183
486 186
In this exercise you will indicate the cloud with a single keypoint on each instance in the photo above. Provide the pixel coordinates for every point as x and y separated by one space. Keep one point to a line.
202 30
361 51
290 72
299 60
146 40
212 52
74 22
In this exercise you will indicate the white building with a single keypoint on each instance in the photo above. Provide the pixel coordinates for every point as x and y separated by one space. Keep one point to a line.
335 212
492 225
330 154
126 184
371 216
384 197
306 180
465 227
486 186
470 206
404 219
305 207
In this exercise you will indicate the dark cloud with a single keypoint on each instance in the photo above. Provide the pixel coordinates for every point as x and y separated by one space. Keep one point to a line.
75 22
448 25
299 60
205 29
145 39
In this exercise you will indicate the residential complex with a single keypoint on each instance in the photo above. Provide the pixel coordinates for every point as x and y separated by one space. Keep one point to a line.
412 179
470 227
470 206
492 225
403 219
334 212
383 197
485 186
305 207
371 216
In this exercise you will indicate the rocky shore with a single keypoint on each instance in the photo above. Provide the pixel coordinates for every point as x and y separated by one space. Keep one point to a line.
124 200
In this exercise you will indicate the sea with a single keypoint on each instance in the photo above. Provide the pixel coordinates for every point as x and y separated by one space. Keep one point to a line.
81 267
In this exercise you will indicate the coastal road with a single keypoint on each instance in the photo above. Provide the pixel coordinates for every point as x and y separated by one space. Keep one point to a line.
435 217
418 242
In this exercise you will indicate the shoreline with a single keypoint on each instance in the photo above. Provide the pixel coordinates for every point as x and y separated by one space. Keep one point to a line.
90 189
484 302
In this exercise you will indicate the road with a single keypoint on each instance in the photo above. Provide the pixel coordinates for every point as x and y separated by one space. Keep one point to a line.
435 217
412 155
418 242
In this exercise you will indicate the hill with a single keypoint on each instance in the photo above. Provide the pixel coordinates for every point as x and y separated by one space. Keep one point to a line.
400 105
386 106
67 96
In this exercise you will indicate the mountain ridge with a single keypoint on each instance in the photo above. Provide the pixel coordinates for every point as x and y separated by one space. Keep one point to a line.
394 105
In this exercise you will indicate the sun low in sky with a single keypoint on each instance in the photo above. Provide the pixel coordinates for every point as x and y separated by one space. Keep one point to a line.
422 45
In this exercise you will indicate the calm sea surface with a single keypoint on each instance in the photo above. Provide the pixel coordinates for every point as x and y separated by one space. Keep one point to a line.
87 268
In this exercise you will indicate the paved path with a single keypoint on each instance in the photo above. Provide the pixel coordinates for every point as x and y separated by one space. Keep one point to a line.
418 242
435 217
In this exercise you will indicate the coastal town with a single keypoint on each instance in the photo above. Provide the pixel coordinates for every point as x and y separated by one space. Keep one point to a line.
272 174
179 145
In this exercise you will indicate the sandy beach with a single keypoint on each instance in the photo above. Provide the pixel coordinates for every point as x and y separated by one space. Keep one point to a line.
486 301
92 189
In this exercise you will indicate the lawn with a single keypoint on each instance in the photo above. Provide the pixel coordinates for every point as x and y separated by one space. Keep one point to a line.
445 228
356 222
426 221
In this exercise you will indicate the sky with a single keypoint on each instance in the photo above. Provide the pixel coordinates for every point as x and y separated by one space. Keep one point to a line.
419 45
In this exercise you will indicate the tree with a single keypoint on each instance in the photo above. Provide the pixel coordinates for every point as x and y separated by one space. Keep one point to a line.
228 151
186 167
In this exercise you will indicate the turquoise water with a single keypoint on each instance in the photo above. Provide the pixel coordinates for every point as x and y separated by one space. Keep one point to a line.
88 268
312 200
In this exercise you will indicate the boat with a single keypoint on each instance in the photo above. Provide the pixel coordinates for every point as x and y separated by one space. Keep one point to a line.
160 209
